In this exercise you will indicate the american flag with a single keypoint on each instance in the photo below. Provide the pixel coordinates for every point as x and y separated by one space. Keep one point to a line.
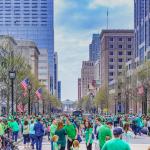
38 93
24 83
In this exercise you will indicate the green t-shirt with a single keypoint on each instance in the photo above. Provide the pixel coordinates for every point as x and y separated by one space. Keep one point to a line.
14 126
116 144
88 134
1 129
53 128
103 132
71 131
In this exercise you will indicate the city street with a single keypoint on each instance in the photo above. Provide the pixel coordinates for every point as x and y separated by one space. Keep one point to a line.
140 143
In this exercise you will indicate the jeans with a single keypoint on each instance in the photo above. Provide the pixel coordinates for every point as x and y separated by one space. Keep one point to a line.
89 147
26 138
32 138
38 140
15 136
69 144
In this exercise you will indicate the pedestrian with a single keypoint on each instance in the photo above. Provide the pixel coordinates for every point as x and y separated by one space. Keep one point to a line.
53 128
32 133
148 126
61 133
88 135
72 133
104 133
39 133
26 138
15 130
117 143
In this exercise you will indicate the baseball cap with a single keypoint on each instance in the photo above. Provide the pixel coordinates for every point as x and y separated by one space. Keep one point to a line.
117 131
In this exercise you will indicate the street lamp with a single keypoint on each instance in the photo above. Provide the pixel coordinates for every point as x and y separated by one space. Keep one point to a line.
12 76
116 105
29 98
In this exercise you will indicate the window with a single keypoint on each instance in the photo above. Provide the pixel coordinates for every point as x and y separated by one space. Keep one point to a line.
111 53
120 66
130 53
120 39
111 46
120 46
129 46
111 39
111 67
111 73
120 53
120 59
129 39
111 59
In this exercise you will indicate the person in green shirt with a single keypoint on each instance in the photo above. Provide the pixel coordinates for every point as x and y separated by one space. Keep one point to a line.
53 128
88 135
117 143
1 128
104 134
15 130
72 132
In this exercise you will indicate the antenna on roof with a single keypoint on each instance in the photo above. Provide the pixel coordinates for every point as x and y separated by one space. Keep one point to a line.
107 18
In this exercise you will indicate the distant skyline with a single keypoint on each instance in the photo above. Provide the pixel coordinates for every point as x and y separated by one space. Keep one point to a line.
75 22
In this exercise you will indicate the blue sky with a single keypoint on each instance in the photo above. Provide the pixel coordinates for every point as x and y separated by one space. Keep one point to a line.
75 22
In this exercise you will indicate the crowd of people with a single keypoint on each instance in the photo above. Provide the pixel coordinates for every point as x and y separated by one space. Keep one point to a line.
108 132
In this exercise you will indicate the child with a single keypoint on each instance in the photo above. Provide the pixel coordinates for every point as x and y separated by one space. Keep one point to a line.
55 145
75 145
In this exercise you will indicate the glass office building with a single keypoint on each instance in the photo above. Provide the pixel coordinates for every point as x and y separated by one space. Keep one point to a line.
30 20
142 29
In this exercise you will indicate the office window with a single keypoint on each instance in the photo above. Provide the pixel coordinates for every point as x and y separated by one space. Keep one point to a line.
120 66
111 46
129 39
120 60
111 67
120 39
111 59
120 46
129 46
111 39
111 53
130 53
111 73
120 53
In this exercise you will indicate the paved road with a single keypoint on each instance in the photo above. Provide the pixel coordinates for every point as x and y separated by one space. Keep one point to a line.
140 143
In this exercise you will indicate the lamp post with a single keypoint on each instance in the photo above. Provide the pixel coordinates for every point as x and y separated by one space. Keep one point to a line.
29 98
12 76
115 105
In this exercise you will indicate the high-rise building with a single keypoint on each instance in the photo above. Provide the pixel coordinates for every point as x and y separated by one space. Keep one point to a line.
55 74
59 90
43 69
87 76
79 89
142 30
117 48
94 48
30 20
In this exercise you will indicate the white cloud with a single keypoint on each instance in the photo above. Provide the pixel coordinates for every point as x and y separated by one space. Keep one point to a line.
110 3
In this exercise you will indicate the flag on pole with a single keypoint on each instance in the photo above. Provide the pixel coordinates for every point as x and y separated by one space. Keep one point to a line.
24 83
38 93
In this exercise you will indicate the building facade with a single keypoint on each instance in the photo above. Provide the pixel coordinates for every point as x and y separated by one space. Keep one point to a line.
55 74
94 48
30 20
87 76
142 30
79 89
59 90
43 69
117 47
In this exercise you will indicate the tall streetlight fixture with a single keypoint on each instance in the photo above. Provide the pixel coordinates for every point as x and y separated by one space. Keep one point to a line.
12 76
29 98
